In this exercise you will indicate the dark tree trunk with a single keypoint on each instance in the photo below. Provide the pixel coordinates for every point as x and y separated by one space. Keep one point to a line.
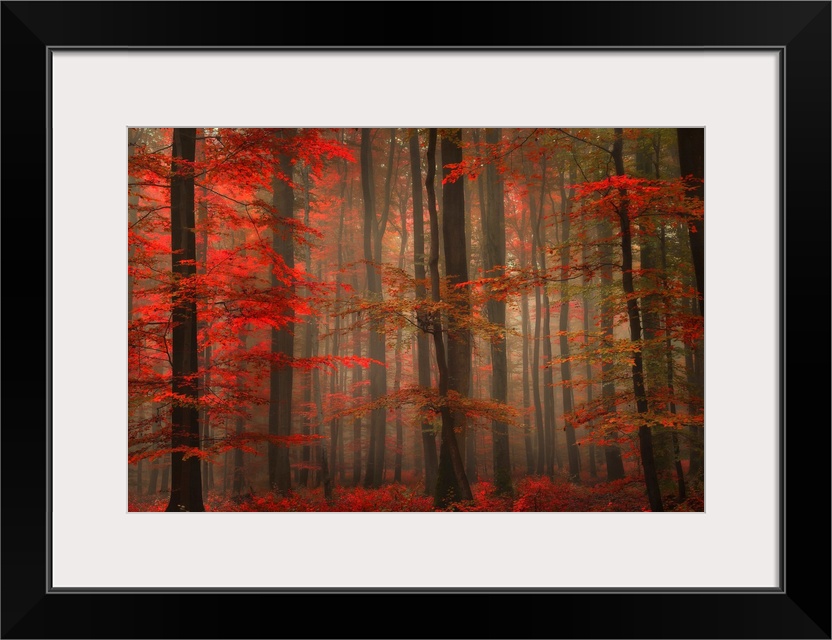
563 326
540 459
671 405
527 426
422 345
186 483
357 379
153 481
202 267
692 164
470 455
550 454
373 235
238 474
587 311
456 269
165 486
645 435
693 373
612 452
317 400
397 381
282 340
335 436
494 260
133 136
310 338
452 483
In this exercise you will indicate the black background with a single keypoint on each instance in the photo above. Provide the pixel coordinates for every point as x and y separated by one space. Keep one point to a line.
801 609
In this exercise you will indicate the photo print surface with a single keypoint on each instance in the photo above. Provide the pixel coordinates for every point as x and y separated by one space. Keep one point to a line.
416 319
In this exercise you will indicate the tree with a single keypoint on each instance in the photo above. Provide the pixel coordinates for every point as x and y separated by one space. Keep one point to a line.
373 234
282 338
186 482
422 345
563 339
494 258
452 483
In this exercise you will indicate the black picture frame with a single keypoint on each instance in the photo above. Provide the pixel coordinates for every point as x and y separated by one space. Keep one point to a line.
800 608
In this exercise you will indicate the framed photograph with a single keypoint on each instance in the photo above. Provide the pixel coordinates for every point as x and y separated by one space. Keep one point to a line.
79 561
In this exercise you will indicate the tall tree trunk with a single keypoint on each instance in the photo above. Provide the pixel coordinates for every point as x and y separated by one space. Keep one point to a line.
695 467
397 381
335 435
165 485
551 454
153 481
671 405
310 337
373 235
645 435
612 452
587 312
470 455
422 345
133 198
238 474
282 340
494 260
540 429
322 467
357 381
452 483
527 426
205 355
692 164
563 327
186 483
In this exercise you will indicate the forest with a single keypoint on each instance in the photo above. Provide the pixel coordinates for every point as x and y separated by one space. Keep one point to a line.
415 319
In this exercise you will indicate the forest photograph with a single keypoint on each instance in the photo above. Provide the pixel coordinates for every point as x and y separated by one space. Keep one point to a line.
415 319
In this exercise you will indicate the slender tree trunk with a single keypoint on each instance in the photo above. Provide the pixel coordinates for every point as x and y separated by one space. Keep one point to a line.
238 472
645 435
695 467
671 405
335 435
540 461
357 381
373 235
423 347
494 260
165 486
692 163
470 455
527 427
322 474
397 381
186 483
456 269
563 327
550 454
132 218
452 483
310 337
154 466
282 340
587 312
205 355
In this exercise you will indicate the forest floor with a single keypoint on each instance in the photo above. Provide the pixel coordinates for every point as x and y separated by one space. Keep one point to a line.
531 493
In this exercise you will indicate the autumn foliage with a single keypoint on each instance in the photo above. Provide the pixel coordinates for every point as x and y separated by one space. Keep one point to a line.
570 409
